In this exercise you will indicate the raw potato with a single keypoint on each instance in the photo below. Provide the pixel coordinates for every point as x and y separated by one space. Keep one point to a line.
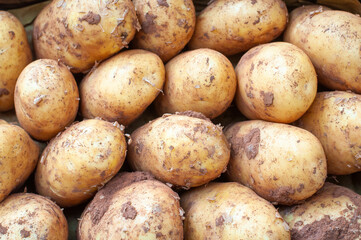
30 216
133 206
79 161
82 33
15 54
276 82
281 163
208 88
167 26
46 98
332 40
18 157
230 211
334 118
121 88
187 151
231 26
332 213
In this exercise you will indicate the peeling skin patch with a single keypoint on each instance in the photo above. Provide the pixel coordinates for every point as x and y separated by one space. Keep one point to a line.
4 91
91 18
129 212
267 98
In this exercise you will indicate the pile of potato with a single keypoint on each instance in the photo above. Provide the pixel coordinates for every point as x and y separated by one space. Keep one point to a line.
153 121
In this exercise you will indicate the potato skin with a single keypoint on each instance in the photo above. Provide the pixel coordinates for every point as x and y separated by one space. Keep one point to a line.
334 119
27 215
230 211
133 206
332 41
276 82
46 98
122 87
18 157
79 161
182 150
167 26
231 26
332 213
209 88
15 54
281 163
81 33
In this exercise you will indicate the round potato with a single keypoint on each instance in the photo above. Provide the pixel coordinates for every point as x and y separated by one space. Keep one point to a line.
46 98
186 151
334 118
332 213
133 206
30 216
167 26
230 211
121 88
79 161
281 163
82 33
276 82
18 157
15 54
332 40
209 88
230 26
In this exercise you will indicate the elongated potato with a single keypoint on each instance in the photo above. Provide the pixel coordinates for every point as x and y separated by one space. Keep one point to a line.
81 33
281 163
79 161
15 54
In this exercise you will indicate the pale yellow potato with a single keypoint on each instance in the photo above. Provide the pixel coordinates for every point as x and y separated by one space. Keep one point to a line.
332 213
167 26
283 164
334 118
201 80
276 82
31 216
18 157
122 87
79 161
230 211
46 98
133 206
232 26
82 33
332 40
15 54
186 151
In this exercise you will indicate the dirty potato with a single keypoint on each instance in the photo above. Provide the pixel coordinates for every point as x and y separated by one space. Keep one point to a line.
82 33
167 26
79 161
15 54
281 163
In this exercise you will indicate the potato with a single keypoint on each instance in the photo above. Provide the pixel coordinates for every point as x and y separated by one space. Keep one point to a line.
79 161
332 41
122 87
332 213
230 211
209 88
167 26
18 157
230 26
30 216
133 206
334 118
276 82
186 151
81 33
46 98
281 163
15 54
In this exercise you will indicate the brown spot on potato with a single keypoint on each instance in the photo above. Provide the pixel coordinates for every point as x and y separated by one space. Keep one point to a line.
282 193
253 2
162 3
257 21
4 91
219 221
148 25
129 212
12 35
206 35
267 98
250 143
194 114
159 235
24 233
300 187
91 18
3 230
